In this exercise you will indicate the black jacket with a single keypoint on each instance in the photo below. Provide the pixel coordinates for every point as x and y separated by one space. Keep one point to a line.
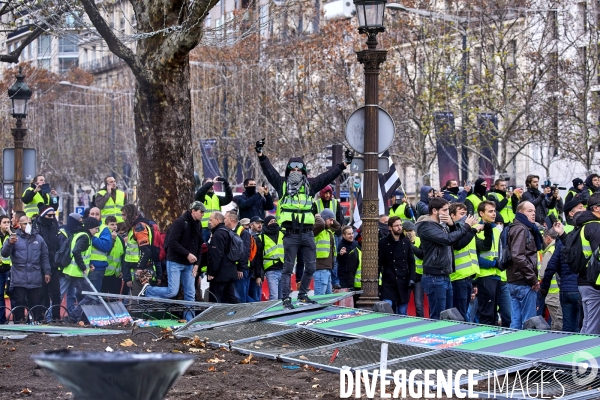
592 233
219 265
347 263
223 200
397 268
48 229
253 206
541 202
436 242
184 237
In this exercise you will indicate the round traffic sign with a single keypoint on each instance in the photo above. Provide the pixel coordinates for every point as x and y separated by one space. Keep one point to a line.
355 130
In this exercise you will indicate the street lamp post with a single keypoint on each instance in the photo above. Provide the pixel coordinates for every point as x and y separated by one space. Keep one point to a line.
370 21
19 94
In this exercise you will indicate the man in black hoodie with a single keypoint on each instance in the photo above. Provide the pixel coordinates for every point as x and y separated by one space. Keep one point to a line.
296 191
348 257
574 190
472 201
591 185
221 271
184 254
590 294
542 201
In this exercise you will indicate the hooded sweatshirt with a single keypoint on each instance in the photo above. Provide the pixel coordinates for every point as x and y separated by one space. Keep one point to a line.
478 190
423 204
588 187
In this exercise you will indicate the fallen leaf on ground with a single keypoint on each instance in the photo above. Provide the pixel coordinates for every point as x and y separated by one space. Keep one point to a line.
176 351
166 330
108 349
69 347
285 345
13 349
81 323
316 386
195 342
26 391
315 379
216 360
195 350
303 358
103 340
246 360
127 343
148 351
212 369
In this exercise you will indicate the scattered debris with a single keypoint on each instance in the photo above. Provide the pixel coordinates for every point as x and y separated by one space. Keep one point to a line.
127 343
291 367
26 391
303 358
195 342
216 360
195 350
69 347
246 360
212 369
316 386
108 349
176 351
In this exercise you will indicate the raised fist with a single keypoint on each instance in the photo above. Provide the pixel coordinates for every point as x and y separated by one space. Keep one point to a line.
259 145
348 156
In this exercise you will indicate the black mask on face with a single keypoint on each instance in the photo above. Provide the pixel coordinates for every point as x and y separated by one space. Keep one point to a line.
251 190
453 190
480 190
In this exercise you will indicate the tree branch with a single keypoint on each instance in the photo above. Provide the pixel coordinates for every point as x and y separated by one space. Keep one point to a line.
116 46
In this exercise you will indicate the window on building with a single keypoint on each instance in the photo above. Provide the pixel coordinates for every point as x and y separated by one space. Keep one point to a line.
68 44
477 65
65 64
10 48
582 16
511 59
583 64
552 24
44 63
44 45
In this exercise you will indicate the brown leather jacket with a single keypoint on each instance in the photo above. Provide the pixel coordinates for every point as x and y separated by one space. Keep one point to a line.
523 269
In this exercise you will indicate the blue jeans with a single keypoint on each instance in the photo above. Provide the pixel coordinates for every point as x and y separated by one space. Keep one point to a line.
254 291
274 282
524 301
419 299
472 311
96 277
177 273
67 288
3 281
79 285
505 305
401 309
205 234
461 290
569 302
334 272
439 293
322 281
241 287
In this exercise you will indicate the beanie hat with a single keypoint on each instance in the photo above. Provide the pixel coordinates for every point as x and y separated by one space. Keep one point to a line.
408 226
577 182
44 209
499 218
91 223
268 218
76 216
327 214
325 190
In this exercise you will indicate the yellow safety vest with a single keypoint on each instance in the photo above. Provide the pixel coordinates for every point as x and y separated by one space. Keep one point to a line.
132 249
418 261
400 210
491 255
475 201
358 275
553 283
98 255
114 258
273 252
73 269
465 261
6 260
32 208
295 208
113 207
333 204
507 212
323 242
568 228
212 204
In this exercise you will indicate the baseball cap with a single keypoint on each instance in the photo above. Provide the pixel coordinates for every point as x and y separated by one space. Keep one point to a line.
198 206
256 219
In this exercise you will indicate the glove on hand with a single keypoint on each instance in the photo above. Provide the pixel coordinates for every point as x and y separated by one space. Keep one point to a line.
348 156
259 145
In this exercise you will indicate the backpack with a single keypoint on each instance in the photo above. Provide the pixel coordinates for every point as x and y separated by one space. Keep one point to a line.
63 256
236 249
253 247
504 258
157 246
593 268
572 252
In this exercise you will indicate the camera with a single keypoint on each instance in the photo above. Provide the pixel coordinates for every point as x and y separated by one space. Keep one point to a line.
554 186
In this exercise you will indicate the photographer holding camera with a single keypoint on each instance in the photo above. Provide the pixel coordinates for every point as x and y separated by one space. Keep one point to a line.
542 201
38 192
254 201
